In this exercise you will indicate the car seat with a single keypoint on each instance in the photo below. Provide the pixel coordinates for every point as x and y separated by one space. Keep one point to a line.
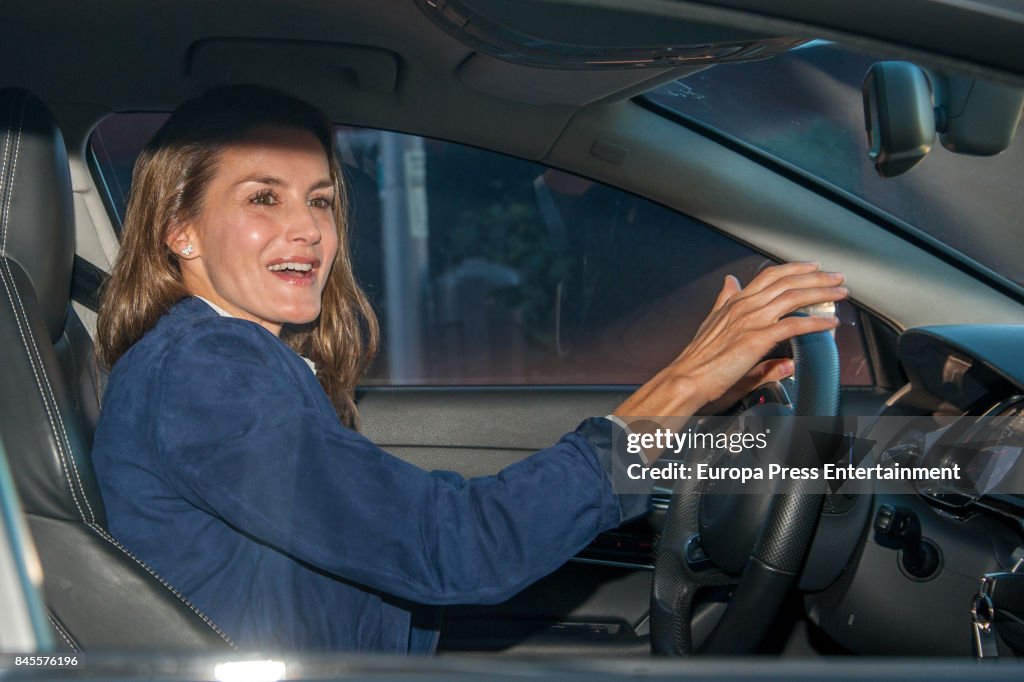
97 594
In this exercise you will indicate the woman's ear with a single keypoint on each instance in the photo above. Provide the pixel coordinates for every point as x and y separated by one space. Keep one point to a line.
182 243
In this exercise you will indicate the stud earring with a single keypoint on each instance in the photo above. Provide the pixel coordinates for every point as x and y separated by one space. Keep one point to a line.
187 251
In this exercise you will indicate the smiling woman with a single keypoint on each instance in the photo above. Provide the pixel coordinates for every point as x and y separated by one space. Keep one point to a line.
266 221
235 183
222 460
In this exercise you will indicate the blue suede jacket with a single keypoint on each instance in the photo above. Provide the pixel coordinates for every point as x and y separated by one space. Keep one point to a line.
224 466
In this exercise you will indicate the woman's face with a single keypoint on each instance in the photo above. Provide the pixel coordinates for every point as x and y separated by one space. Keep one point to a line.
265 239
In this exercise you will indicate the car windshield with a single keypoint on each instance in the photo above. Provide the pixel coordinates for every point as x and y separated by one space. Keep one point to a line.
805 109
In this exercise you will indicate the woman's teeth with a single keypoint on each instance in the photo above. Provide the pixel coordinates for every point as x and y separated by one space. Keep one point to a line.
299 267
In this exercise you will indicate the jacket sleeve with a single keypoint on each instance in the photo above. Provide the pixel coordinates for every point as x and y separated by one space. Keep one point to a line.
245 439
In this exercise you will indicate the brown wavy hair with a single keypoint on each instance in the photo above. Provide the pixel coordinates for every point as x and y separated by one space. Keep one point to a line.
168 186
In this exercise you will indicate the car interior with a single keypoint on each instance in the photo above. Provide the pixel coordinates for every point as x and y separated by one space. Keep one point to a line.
575 119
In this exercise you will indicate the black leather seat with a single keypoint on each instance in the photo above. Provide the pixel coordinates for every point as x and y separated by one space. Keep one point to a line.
96 593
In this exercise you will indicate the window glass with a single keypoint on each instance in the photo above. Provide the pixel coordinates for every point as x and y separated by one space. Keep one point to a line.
113 148
490 270
805 107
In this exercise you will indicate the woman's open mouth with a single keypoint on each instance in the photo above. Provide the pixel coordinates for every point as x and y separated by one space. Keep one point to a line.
295 272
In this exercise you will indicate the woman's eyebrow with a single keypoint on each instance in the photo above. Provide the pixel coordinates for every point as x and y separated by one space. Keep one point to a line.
273 180
261 179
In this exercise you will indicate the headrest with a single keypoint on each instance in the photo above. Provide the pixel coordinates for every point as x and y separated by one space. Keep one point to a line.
37 228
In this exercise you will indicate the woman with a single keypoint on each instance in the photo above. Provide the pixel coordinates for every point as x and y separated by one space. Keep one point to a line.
236 472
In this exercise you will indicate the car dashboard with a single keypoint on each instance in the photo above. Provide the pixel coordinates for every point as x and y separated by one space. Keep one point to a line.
963 407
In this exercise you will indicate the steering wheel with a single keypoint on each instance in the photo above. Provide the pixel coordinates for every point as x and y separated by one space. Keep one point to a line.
755 542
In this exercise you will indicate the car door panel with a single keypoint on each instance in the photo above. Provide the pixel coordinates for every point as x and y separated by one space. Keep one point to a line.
597 602
585 605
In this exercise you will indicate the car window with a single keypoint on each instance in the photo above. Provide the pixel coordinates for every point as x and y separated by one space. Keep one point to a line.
490 270
805 108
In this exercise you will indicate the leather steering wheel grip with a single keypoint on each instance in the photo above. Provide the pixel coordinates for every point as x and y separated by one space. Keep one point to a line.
816 361
782 545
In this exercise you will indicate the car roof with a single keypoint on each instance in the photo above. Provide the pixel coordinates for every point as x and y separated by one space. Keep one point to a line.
398 68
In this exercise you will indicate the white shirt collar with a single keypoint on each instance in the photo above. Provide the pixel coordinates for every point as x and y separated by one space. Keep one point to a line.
220 311
223 313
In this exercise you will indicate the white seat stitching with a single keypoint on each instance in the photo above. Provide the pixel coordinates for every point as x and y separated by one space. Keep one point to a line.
35 360
62 632
109 538
9 179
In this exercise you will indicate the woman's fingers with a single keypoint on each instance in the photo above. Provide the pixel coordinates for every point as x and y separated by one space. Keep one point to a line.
763 373
737 315
806 280
788 293
773 370
789 301
784 289
789 327
770 276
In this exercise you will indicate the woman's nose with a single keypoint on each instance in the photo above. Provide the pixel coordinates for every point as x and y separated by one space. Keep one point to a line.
304 226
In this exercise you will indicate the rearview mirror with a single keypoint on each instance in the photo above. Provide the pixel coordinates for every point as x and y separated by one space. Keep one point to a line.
898 115
904 107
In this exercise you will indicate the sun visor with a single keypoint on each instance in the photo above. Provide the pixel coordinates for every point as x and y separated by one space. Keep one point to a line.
292 65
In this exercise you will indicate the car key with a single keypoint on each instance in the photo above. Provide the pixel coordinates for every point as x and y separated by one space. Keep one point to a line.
1000 598
982 615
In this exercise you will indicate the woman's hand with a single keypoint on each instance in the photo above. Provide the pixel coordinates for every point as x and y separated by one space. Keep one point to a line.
763 373
723 362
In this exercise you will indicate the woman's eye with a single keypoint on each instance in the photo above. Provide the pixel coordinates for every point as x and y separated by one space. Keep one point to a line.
321 202
264 199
